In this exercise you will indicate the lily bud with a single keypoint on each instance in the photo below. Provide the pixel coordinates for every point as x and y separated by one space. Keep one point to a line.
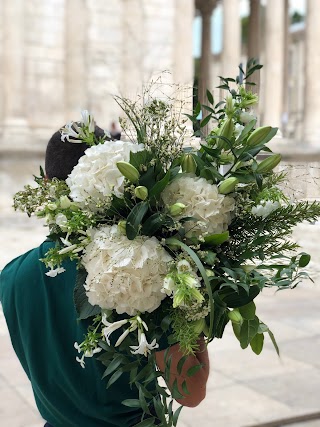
228 185
227 129
141 192
65 202
52 206
268 164
258 136
188 164
225 159
209 273
177 209
235 316
129 171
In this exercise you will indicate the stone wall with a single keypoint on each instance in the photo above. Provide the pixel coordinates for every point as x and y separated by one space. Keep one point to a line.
62 56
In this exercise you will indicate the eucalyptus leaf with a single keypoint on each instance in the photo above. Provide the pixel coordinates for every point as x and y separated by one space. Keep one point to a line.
114 377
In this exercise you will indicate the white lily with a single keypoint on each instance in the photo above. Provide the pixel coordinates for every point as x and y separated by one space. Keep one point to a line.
67 249
54 272
81 361
111 327
122 337
90 353
144 347
88 120
68 131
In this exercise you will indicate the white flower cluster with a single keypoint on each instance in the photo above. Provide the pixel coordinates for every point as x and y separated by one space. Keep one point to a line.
265 208
203 201
96 178
124 275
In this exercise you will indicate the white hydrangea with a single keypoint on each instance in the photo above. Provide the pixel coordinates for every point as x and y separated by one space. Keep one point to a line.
203 201
265 208
96 177
125 275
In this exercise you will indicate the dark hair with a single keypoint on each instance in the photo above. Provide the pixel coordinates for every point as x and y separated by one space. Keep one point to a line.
61 157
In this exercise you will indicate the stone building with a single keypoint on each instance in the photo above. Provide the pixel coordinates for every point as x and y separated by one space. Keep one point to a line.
61 56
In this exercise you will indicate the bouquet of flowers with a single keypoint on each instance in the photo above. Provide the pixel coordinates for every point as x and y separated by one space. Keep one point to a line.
172 242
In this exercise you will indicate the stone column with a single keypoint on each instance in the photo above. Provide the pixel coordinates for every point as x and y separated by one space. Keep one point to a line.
183 62
254 42
206 8
274 63
15 126
311 128
76 58
231 52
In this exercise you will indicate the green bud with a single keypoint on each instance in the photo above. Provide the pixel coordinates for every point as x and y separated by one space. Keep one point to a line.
235 317
129 171
227 129
177 209
258 136
65 202
122 227
141 192
52 206
225 159
188 164
228 185
268 164
199 325
209 273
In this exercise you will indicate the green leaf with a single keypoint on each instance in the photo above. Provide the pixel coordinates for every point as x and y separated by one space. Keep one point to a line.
132 403
257 343
181 363
176 415
160 185
153 223
217 239
274 342
114 378
185 388
143 401
175 390
134 219
210 97
113 365
194 369
197 109
236 329
235 299
304 260
249 329
149 422
248 311
139 158
83 307
205 121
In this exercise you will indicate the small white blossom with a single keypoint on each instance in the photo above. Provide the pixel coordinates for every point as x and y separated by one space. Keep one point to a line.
144 347
246 117
81 361
265 208
54 272
183 266
68 131
169 285
61 220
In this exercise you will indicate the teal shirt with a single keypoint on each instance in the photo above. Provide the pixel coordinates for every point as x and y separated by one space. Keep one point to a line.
43 326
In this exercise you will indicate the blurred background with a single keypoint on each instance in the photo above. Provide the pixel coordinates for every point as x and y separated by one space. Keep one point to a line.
61 56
